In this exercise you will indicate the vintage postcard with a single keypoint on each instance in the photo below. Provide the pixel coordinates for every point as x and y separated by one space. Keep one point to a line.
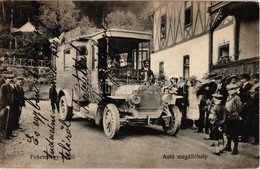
129 84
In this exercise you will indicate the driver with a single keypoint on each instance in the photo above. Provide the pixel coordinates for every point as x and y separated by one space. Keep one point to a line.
148 74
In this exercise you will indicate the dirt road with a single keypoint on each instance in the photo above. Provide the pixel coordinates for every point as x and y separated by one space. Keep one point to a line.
83 144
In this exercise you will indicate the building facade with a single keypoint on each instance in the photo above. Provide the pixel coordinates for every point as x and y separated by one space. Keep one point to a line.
240 53
193 38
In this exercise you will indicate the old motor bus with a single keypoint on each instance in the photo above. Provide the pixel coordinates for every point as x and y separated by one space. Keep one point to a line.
102 77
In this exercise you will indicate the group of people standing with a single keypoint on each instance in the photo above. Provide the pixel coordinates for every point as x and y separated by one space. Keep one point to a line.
11 102
218 105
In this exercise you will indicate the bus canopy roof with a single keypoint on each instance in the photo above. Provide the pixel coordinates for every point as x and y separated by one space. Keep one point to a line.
145 36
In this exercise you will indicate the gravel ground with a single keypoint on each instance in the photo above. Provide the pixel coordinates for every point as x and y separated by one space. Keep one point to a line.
87 146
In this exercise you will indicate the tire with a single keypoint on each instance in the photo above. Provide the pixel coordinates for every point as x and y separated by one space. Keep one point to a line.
175 121
65 111
111 121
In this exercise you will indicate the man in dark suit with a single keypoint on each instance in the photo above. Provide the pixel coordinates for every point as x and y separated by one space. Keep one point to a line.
221 88
208 87
182 104
245 98
148 73
244 89
10 101
53 97
18 86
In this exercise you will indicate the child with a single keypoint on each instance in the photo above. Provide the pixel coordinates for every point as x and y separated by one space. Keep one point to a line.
233 120
219 116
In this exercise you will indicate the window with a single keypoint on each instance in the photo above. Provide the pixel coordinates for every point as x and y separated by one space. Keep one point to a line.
81 57
163 26
161 69
82 50
186 66
93 57
68 59
138 59
223 54
163 30
188 14
223 51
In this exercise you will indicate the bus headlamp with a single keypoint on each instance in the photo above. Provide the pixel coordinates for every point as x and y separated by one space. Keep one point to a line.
135 99
167 98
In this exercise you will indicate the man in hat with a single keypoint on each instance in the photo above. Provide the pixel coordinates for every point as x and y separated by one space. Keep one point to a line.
148 74
254 109
3 112
221 88
19 87
9 101
245 98
53 96
233 119
246 86
207 89
183 103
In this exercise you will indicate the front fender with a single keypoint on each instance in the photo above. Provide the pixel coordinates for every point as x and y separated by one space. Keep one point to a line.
68 95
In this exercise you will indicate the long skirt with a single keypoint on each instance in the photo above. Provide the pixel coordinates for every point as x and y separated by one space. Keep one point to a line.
193 112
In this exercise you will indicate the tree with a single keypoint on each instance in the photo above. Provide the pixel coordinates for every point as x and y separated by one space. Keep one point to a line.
127 20
17 13
98 11
56 17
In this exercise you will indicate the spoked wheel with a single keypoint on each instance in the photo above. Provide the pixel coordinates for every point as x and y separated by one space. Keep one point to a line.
111 121
171 125
64 110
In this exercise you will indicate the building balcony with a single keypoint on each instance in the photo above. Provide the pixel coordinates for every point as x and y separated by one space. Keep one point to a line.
233 7
226 66
216 5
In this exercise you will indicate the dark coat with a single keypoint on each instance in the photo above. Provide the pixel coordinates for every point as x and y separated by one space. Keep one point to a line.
21 95
244 93
7 96
53 94
223 91
2 81
150 75
183 91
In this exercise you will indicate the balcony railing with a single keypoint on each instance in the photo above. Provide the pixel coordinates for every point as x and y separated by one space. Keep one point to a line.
250 66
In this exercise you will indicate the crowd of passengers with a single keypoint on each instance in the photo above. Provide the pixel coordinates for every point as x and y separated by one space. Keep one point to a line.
219 105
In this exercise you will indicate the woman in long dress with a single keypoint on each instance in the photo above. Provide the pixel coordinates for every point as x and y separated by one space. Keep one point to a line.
193 109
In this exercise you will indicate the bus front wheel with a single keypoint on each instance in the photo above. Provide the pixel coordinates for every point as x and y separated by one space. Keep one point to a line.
64 110
111 121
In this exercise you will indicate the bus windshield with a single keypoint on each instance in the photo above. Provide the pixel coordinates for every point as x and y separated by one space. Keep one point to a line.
125 58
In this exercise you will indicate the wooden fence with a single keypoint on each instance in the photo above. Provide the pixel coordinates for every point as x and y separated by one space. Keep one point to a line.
21 62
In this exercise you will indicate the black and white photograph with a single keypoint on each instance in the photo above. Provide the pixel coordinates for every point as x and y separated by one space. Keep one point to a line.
129 84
